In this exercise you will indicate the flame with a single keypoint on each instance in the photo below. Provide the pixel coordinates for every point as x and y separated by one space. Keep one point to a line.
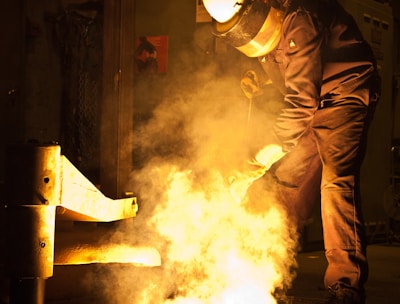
222 253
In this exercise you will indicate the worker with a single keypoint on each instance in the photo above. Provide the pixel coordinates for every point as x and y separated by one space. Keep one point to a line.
315 54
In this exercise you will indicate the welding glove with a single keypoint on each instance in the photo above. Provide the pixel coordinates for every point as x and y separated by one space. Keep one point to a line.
269 155
242 180
250 84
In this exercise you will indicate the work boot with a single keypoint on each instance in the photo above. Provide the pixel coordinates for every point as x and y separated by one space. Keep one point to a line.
343 294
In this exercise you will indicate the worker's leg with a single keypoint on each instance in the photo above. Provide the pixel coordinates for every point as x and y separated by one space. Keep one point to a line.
340 133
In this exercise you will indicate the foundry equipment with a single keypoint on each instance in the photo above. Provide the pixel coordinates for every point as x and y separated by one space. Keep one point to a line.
42 185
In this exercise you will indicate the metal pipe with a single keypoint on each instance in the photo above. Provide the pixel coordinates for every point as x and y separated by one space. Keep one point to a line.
32 192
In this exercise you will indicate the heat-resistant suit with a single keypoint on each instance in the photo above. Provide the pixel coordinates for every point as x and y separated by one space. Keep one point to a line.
327 74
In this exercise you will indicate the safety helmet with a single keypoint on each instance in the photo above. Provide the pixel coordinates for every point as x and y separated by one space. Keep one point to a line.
251 26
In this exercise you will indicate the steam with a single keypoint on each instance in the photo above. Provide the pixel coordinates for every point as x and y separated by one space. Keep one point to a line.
213 250
222 253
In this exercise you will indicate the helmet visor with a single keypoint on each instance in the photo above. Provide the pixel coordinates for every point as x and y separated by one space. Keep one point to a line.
254 30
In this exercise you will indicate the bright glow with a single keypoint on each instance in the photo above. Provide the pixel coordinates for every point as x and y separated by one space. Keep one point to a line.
222 10
91 252
214 250
223 253
81 200
269 154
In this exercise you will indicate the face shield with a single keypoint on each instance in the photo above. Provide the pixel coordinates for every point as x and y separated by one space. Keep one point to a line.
251 26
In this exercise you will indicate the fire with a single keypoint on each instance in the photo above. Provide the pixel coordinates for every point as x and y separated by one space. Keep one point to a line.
214 250
222 253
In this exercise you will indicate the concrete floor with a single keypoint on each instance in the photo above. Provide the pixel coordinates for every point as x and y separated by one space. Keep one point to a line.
383 285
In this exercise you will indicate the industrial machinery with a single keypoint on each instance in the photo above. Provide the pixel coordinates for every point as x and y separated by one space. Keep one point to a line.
42 185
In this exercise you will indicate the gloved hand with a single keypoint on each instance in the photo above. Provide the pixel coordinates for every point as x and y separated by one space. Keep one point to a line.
269 155
250 84
241 180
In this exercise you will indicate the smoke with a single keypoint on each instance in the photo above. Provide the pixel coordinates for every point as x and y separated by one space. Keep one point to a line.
213 249
222 253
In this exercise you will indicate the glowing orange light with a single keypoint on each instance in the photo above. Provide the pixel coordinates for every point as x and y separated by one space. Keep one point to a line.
223 254
90 253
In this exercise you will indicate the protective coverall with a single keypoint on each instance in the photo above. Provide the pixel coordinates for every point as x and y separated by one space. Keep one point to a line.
327 75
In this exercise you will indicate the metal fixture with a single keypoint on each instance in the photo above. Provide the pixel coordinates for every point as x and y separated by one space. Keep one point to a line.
41 184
